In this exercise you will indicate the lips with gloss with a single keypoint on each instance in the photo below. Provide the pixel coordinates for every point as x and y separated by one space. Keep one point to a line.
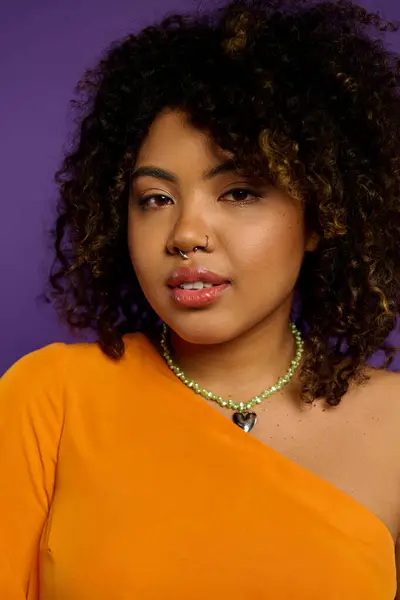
196 287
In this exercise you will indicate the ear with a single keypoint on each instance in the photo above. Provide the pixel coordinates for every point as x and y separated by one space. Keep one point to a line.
312 241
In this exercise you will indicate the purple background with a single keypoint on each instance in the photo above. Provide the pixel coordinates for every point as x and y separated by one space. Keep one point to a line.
45 47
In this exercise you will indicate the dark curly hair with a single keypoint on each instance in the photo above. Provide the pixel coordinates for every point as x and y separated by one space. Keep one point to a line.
302 93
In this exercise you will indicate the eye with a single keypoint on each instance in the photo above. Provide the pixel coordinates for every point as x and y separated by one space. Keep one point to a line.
241 196
154 201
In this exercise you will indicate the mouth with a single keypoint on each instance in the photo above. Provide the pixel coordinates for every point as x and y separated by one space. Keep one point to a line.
195 278
196 287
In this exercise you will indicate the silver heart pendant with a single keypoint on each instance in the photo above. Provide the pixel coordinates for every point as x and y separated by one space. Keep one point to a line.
245 421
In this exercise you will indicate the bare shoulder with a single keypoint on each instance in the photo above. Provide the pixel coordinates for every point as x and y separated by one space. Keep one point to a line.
376 412
382 394
375 406
382 385
378 396
377 385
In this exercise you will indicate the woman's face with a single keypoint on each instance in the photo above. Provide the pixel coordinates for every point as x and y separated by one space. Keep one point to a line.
256 237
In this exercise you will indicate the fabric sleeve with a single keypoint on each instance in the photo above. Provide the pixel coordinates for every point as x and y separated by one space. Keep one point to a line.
31 418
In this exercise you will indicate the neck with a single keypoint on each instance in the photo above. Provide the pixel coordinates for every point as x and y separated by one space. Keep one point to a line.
242 367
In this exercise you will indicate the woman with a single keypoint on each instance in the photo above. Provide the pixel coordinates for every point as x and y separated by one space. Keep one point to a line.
228 226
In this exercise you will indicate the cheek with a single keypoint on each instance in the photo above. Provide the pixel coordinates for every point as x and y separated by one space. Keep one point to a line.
145 250
145 268
138 249
278 241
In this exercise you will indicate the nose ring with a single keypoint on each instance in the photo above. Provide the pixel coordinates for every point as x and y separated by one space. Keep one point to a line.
183 254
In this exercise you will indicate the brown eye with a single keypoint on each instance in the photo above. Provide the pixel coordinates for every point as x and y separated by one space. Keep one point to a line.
241 196
154 201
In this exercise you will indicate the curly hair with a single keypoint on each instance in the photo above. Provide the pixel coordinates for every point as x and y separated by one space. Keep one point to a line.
304 93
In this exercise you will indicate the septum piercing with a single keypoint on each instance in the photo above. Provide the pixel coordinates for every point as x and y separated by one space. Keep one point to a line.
184 256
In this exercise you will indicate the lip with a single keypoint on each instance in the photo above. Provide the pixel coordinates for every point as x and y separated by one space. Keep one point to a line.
196 298
193 274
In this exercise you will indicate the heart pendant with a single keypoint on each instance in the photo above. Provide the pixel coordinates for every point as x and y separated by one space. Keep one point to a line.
245 421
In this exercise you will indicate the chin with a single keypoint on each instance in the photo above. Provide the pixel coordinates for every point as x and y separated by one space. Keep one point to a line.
204 338
203 330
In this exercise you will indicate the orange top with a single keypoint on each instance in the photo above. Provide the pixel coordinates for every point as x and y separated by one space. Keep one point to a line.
119 483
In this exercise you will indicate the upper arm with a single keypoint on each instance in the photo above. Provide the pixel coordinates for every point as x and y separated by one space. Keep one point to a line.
30 428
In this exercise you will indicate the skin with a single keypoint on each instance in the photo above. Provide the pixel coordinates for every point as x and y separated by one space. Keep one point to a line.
257 241
241 344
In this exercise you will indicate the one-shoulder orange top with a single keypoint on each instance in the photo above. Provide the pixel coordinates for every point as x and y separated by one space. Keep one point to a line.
119 483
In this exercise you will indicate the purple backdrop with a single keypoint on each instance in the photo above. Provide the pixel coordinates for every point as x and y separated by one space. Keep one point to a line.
45 46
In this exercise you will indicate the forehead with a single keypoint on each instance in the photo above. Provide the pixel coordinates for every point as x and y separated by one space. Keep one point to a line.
173 140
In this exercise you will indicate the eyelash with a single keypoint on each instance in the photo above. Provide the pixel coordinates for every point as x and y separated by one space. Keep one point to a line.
143 202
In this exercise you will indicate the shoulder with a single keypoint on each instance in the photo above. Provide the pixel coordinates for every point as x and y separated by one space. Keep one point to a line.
373 412
58 367
378 395
382 394
38 367
31 393
383 385
377 406
373 409
53 358
47 390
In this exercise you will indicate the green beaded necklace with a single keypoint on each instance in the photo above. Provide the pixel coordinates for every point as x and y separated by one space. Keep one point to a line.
241 417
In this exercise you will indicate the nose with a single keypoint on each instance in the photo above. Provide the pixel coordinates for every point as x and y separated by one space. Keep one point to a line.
189 233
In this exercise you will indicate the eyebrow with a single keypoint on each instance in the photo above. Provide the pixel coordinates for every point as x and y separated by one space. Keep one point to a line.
158 173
